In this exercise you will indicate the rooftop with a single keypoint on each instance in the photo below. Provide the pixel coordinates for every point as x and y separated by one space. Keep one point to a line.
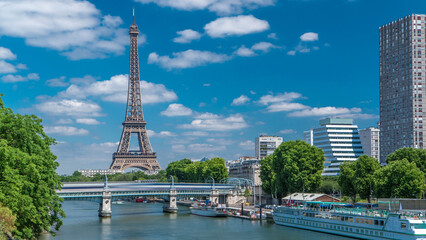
337 121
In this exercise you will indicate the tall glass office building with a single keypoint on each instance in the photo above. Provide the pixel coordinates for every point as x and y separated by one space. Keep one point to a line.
340 141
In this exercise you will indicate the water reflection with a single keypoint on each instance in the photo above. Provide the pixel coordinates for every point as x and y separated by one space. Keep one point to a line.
147 221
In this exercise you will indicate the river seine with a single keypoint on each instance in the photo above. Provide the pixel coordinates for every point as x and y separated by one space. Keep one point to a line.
147 221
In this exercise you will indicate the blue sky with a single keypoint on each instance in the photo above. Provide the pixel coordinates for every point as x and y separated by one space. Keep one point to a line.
216 73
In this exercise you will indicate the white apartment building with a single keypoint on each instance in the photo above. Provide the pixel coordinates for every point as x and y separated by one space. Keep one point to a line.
370 140
308 137
340 141
266 145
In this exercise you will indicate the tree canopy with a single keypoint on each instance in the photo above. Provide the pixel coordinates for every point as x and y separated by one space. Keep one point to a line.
295 166
187 171
28 180
365 167
401 179
414 155
130 176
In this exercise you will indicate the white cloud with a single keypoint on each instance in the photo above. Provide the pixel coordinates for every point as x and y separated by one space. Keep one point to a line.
75 28
152 133
197 147
309 37
233 122
177 109
288 131
324 111
18 78
196 134
235 26
285 107
6 54
247 145
221 7
6 67
115 90
272 36
87 121
244 52
187 36
291 52
280 97
187 59
240 100
65 131
206 84
207 115
252 92
263 46
57 82
258 47
71 108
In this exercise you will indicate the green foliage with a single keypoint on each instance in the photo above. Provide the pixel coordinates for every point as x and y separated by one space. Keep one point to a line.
365 167
346 180
267 175
329 186
415 155
7 222
187 171
401 179
295 166
28 179
138 175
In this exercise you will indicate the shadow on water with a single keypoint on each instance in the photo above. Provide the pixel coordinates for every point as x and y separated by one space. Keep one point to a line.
147 221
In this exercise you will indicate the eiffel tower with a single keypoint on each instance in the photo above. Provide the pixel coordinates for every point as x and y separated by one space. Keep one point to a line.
134 122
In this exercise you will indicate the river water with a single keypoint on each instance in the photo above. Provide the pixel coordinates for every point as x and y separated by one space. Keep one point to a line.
147 221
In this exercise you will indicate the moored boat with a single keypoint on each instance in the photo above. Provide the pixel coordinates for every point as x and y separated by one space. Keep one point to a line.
208 211
350 222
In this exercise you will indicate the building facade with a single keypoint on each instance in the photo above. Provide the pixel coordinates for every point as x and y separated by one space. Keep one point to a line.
402 77
370 140
340 141
266 145
308 137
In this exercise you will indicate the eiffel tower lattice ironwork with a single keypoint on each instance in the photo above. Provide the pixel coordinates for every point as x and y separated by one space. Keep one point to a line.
134 122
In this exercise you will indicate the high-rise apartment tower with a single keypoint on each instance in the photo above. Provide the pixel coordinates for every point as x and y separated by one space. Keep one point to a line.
266 145
402 78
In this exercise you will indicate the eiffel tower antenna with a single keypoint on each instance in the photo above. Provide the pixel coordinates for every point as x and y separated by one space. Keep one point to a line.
144 158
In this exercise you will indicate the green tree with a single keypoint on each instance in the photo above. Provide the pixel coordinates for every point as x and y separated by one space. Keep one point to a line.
216 168
267 175
415 155
7 223
28 178
346 180
296 166
363 181
329 186
401 179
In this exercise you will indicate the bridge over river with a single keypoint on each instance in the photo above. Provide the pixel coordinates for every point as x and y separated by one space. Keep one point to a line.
105 193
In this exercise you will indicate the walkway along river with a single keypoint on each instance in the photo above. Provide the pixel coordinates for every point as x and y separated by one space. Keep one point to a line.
147 221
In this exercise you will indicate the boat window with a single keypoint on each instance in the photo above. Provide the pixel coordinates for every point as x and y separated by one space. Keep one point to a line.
382 223
371 221
403 225
419 226
376 222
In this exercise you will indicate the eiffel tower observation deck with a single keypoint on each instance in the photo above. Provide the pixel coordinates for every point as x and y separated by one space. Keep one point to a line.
144 158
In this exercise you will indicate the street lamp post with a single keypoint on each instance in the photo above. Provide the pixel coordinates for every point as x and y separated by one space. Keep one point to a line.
173 182
212 181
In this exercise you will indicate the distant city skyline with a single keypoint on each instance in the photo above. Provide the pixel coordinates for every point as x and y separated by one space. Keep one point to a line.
214 74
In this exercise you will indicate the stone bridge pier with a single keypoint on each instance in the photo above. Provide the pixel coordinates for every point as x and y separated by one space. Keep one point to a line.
214 196
171 205
105 205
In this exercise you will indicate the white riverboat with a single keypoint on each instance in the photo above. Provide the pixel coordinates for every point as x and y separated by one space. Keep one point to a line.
351 222
208 211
